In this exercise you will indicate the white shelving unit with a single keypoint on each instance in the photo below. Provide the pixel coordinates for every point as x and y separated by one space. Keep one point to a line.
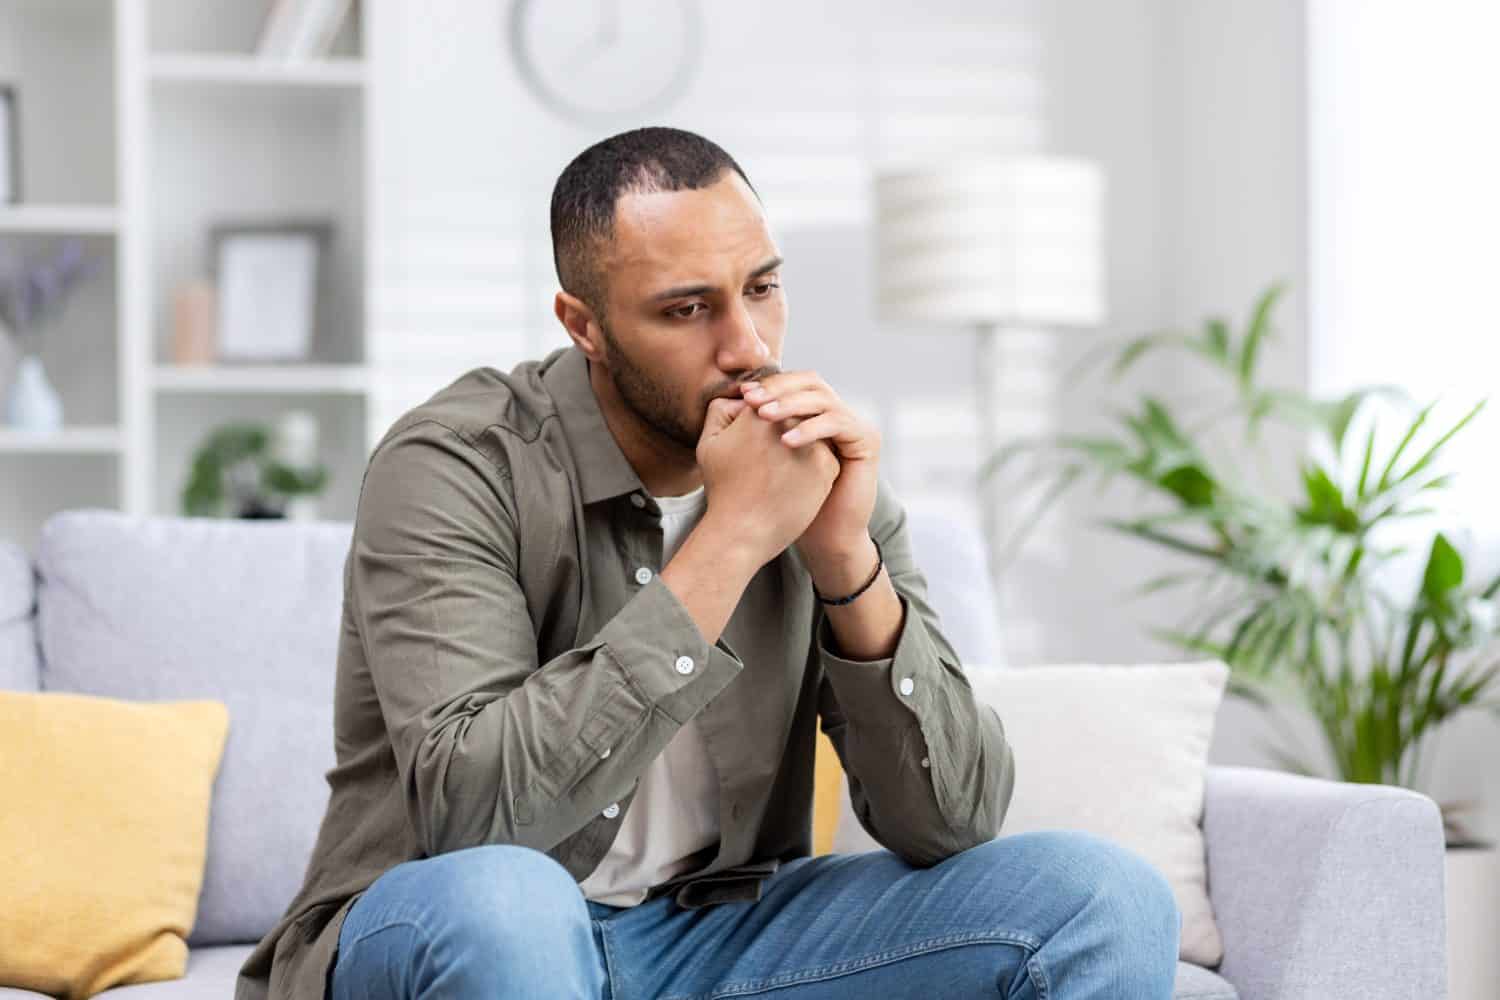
248 71
332 379
145 122
61 58
69 440
79 219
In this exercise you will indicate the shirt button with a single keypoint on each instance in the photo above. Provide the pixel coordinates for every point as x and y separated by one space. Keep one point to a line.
925 763
684 664
643 575
612 810
604 753
637 499
906 685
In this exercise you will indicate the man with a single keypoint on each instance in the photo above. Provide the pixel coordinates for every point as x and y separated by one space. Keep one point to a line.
594 609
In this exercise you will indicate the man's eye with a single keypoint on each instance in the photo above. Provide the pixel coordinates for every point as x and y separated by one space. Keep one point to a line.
688 311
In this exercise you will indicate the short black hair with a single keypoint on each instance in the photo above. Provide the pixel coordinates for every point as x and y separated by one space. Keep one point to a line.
654 158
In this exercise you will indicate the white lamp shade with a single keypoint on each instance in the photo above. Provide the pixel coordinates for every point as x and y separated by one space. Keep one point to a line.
1007 240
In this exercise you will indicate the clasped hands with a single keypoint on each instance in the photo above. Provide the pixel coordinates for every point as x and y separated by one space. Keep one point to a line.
813 415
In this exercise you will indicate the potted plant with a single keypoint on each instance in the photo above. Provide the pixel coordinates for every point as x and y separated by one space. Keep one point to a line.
1294 592
238 471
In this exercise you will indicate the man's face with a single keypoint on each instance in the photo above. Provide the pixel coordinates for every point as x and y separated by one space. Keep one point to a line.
695 305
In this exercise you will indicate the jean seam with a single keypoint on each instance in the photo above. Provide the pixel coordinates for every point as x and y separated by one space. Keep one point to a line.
1038 974
609 958
834 970
390 925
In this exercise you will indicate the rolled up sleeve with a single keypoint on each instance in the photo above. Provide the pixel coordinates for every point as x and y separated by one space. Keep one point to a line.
929 768
491 745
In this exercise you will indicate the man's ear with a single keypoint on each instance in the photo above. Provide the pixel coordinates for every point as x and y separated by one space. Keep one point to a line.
578 320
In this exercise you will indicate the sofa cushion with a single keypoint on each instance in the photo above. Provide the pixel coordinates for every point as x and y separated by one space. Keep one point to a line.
947 544
1118 751
1194 982
245 612
18 649
99 885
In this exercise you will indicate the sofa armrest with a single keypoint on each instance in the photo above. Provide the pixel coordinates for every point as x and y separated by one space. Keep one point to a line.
1323 889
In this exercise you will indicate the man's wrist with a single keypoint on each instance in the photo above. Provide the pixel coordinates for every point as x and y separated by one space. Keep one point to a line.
739 553
842 570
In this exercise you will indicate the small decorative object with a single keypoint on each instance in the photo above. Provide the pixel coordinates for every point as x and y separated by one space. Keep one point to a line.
294 445
267 276
10 145
194 310
33 404
301 29
1293 592
236 471
33 294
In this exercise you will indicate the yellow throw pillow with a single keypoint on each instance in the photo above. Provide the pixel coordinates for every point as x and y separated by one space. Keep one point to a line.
828 780
103 837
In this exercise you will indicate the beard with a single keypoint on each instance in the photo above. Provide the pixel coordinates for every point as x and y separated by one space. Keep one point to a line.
653 403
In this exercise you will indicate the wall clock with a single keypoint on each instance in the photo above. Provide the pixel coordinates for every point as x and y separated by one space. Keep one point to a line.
597 61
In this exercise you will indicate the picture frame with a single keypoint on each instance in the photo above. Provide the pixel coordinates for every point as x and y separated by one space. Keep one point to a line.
269 277
10 144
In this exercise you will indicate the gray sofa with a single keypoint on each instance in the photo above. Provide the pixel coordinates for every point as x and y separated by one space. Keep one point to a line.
1321 890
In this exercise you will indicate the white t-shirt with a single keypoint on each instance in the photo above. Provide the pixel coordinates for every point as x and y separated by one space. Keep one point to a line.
674 814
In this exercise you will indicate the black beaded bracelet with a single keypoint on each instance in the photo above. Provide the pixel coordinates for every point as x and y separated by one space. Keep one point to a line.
879 562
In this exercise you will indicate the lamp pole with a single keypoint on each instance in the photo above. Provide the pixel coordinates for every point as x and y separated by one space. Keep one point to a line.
987 357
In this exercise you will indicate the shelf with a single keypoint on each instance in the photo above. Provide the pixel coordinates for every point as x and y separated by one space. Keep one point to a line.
149 121
255 72
67 440
82 219
284 378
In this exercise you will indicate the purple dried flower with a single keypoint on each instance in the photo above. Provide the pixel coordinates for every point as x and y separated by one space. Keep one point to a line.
29 289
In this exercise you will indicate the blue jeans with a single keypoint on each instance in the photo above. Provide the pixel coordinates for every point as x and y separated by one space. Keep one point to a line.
1050 915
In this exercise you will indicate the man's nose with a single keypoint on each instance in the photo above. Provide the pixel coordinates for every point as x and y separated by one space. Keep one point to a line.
741 347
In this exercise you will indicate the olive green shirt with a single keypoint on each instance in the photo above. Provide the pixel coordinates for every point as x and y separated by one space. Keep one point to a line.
510 661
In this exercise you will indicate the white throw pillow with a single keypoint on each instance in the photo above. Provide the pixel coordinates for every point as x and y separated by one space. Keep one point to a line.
1118 751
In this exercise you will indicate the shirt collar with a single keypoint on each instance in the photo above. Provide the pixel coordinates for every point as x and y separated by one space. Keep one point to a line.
603 469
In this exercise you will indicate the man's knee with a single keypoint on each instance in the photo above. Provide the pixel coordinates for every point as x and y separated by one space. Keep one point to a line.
1125 896
1122 891
485 917
508 898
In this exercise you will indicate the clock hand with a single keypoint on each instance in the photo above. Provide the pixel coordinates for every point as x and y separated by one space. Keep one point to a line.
610 24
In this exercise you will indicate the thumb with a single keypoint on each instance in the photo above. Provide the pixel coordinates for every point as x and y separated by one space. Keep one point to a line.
721 413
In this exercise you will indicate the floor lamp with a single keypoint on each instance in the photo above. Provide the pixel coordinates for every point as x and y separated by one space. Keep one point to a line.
993 244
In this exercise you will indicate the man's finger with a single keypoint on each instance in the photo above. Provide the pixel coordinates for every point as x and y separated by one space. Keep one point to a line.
721 413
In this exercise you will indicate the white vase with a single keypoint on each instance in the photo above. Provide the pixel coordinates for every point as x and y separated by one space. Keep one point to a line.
295 443
33 405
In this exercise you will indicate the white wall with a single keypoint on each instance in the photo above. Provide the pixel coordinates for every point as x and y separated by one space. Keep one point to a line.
1195 109
1337 148
812 99
1405 209
809 98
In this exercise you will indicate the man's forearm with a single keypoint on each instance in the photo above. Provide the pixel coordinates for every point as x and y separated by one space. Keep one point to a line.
709 574
868 626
